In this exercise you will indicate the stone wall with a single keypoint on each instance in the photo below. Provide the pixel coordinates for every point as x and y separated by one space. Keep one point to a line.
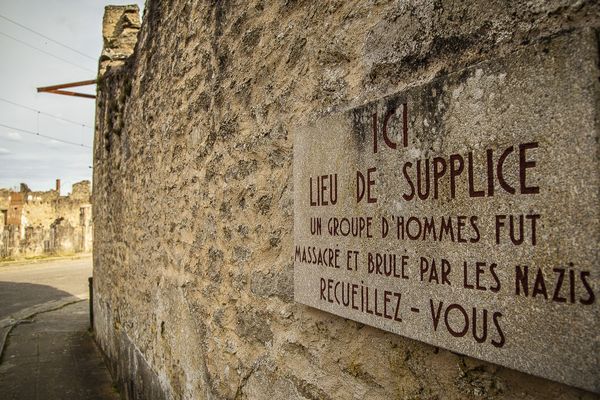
193 196
44 222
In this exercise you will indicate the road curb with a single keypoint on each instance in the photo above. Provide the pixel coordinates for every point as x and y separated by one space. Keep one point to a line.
4 263
7 324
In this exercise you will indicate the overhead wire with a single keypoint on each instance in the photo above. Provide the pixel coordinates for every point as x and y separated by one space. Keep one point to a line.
45 136
46 52
46 37
45 113
39 112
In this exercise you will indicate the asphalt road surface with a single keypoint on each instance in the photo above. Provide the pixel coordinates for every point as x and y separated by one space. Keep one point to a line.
50 353
26 285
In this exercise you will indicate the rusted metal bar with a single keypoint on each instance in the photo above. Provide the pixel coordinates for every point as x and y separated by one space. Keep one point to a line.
66 85
56 89
68 93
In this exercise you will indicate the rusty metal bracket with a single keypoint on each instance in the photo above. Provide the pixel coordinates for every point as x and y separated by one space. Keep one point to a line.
57 89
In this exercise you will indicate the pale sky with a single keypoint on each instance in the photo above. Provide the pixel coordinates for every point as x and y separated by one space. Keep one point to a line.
25 157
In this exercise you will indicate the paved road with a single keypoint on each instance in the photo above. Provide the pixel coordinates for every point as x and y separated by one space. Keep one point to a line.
26 285
49 354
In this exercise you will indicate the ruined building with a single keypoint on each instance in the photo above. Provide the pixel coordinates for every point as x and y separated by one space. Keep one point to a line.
45 223
208 112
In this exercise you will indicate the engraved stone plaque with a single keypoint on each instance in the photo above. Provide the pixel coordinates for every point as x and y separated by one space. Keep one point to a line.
464 212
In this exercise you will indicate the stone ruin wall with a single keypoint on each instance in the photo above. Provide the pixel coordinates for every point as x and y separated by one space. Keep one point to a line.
46 222
193 193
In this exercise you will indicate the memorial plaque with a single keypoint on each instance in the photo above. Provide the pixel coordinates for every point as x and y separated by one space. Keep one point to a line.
464 212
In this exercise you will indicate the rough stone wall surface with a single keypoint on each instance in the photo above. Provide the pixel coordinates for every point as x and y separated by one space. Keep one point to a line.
193 195
119 32
4 195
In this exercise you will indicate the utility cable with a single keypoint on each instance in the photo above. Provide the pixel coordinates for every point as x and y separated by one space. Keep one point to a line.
45 113
45 52
47 38
45 136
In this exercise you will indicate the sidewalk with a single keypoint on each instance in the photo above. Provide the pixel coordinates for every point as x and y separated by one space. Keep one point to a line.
54 357
37 260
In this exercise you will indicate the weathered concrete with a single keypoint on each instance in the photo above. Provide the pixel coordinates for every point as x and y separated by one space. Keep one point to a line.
54 356
49 352
193 192
29 289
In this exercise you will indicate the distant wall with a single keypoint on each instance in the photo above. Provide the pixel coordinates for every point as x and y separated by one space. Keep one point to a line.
39 223
193 196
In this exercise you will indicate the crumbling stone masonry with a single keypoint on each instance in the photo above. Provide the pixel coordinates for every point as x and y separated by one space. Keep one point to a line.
36 223
193 196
